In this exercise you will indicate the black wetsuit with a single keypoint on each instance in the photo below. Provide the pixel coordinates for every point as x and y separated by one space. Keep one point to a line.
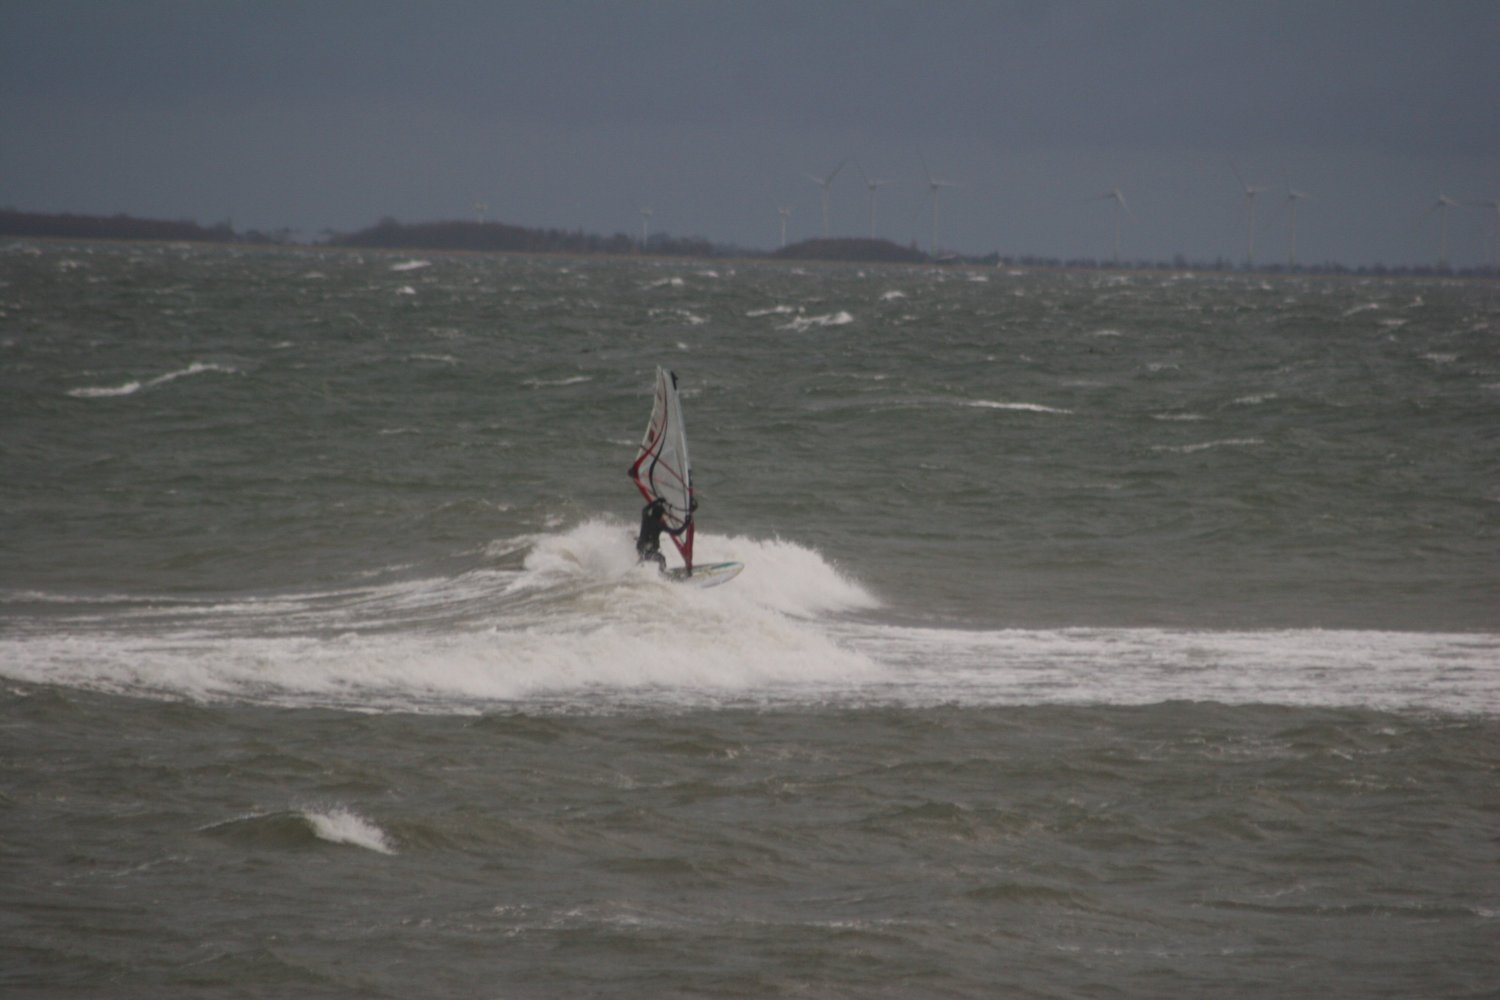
648 542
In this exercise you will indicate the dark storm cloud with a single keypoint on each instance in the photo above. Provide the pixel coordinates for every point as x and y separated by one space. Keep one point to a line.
714 104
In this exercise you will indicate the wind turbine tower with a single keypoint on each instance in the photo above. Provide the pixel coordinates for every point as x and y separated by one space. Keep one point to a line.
1441 207
823 182
1118 197
479 209
1292 197
873 185
934 186
1250 193
646 214
785 214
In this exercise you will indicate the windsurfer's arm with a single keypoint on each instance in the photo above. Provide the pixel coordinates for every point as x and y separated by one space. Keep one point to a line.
692 508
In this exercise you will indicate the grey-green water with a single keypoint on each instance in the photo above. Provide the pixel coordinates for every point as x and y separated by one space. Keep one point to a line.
1099 635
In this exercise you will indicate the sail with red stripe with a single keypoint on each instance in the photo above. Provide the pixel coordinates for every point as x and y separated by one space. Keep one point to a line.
661 469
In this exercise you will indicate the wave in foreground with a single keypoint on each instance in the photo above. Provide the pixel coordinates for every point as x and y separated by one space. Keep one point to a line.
304 827
567 621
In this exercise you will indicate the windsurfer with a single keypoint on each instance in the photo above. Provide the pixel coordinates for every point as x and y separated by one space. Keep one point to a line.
653 523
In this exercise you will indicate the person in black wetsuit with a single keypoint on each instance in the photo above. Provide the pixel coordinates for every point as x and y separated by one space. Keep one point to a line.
653 523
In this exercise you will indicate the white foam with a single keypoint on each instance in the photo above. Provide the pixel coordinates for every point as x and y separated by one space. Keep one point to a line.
1394 671
130 388
804 323
342 826
1189 449
684 315
989 404
676 646
411 265
540 383
581 618
568 620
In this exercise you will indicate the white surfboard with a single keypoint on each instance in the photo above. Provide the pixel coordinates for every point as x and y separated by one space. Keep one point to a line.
710 575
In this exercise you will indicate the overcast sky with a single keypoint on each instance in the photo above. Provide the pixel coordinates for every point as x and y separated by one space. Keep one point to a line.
321 114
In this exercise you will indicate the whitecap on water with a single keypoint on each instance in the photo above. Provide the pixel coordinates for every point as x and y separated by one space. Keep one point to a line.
803 323
989 404
1188 449
343 826
134 386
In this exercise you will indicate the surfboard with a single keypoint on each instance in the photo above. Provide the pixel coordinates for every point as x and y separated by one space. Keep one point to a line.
662 471
710 575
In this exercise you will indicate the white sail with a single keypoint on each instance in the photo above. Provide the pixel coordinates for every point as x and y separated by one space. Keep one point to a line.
662 469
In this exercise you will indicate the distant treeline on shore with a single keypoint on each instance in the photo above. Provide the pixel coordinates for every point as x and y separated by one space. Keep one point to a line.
498 237
113 227
503 238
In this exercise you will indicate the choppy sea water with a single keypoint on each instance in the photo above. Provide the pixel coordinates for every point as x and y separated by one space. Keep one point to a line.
1126 635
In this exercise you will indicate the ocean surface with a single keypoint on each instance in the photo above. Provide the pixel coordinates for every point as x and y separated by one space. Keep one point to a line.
1101 635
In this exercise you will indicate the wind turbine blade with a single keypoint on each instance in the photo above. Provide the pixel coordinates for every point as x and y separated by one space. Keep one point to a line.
1239 176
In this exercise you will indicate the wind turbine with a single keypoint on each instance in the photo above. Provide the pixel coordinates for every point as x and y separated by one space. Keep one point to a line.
646 214
479 209
1250 193
1441 207
1292 197
1117 196
934 185
874 186
785 213
823 183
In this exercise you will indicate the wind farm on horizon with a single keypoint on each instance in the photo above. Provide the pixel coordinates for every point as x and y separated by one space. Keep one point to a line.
1261 205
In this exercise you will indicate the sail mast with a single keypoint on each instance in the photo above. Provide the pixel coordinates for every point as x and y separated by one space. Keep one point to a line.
662 469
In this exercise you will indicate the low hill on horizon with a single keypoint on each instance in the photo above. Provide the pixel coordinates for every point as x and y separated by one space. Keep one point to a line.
502 237
65 225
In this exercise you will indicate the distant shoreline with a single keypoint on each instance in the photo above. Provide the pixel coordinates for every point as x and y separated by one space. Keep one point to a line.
499 238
